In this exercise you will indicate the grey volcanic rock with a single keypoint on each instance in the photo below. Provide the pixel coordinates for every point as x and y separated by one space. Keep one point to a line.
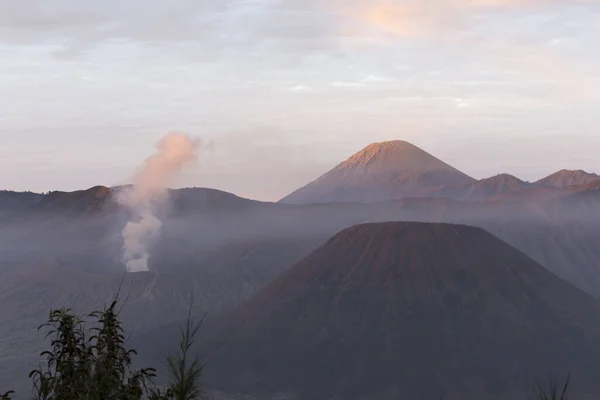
566 177
381 171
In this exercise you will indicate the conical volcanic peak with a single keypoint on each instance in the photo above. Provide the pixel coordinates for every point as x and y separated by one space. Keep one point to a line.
566 177
429 252
396 155
381 171
409 311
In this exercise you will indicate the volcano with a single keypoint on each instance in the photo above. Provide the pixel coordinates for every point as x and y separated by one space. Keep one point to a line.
408 311
379 172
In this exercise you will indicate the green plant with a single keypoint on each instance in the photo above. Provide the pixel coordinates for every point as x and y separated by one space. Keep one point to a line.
185 370
97 367
94 363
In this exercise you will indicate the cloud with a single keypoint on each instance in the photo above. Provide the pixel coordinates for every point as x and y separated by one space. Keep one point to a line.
525 3
401 18
282 34
73 22
409 20
73 28
474 32
425 18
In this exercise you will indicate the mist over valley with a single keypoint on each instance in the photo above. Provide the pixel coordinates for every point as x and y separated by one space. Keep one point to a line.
275 270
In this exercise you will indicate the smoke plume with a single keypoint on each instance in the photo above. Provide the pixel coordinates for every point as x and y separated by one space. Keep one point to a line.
149 192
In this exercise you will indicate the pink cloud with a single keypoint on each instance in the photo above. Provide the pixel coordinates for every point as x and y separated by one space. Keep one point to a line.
416 18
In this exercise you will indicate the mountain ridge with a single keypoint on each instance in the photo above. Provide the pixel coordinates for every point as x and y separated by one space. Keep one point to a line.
381 171
568 177
99 199
500 184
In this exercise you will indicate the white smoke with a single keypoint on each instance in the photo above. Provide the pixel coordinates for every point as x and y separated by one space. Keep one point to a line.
149 192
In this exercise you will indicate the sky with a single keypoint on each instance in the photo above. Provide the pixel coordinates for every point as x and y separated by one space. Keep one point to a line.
280 91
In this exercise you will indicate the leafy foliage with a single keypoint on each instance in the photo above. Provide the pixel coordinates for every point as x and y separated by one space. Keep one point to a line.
95 364
94 367
185 371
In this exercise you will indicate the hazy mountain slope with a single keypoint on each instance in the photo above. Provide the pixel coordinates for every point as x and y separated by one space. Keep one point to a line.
407 310
90 201
228 248
204 199
498 185
559 232
83 228
565 177
11 202
381 171
101 199
562 237
220 279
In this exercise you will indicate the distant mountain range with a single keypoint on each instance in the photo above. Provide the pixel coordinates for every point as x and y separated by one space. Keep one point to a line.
99 199
380 172
406 311
65 248
398 169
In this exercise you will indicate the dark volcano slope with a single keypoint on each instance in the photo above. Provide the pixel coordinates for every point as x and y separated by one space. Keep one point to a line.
408 311
15 201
